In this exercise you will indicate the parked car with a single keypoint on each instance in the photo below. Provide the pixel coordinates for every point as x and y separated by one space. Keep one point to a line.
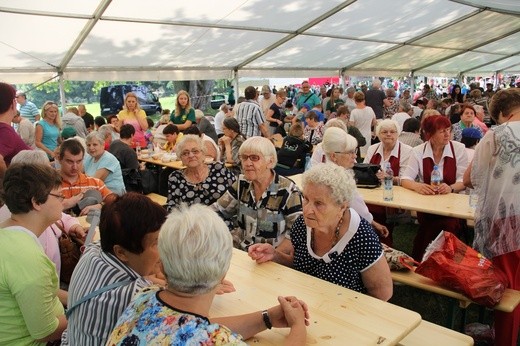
217 101
111 99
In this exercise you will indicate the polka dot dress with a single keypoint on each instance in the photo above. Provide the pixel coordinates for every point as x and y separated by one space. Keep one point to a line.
207 192
343 268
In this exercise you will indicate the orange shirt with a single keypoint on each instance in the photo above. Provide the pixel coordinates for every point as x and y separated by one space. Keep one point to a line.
83 184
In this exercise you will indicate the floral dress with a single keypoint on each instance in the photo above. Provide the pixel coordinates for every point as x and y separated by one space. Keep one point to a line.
148 320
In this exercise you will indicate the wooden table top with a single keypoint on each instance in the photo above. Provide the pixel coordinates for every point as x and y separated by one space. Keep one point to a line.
171 164
338 316
451 204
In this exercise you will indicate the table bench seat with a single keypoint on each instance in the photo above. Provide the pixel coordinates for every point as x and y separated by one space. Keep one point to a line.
428 333
159 199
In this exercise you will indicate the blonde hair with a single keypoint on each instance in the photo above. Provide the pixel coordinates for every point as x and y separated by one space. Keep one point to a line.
48 105
178 107
137 105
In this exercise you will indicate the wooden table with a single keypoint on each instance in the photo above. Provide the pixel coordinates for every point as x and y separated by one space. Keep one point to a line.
451 204
338 316
171 164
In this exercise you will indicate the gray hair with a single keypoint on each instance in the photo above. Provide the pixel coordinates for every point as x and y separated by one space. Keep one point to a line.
335 122
97 136
31 157
195 247
105 131
387 124
351 90
260 145
189 138
340 181
390 92
337 140
376 83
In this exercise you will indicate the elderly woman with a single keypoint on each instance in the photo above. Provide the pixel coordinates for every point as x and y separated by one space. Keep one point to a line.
494 175
340 148
184 115
212 151
198 182
331 240
30 311
179 314
124 262
133 114
47 131
467 116
452 160
205 126
392 105
230 143
388 150
261 206
313 131
101 164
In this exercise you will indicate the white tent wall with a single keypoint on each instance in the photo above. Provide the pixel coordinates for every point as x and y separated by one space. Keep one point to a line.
201 39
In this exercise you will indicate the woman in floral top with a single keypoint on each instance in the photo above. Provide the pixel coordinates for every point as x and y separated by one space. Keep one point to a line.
178 314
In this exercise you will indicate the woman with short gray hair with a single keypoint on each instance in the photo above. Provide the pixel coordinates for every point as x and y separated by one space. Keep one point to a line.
198 182
179 313
330 240
261 205
101 164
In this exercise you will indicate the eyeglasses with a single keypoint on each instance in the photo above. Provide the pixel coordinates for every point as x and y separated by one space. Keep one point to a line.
350 152
188 152
253 158
60 197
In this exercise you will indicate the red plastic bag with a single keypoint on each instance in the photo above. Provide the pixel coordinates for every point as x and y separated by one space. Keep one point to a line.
458 267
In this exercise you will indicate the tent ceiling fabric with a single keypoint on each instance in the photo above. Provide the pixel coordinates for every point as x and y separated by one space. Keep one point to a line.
202 39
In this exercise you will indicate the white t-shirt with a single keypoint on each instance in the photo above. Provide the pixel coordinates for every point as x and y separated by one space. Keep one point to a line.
362 119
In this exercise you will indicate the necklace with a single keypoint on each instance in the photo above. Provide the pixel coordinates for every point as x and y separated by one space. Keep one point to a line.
335 238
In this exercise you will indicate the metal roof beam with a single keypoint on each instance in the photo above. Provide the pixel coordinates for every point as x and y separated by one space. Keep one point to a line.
491 62
489 8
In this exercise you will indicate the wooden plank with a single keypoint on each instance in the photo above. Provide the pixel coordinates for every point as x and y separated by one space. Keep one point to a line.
430 334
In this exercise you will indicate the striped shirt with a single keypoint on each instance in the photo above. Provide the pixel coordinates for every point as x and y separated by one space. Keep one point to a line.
249 116
92 322
28 110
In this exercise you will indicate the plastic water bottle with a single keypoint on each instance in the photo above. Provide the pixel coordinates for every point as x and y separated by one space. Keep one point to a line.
436 179
138 149
388 192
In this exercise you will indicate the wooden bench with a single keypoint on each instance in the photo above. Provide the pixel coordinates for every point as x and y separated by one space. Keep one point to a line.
159 199
508 303
430 334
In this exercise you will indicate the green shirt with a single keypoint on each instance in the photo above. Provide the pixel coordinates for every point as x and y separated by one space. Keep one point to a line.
29 306
183 117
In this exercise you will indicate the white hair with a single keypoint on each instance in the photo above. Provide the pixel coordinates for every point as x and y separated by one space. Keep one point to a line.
97 136
335 122
189 138
376 83
195 247
387 124
31 157
340 181
336 140
260 145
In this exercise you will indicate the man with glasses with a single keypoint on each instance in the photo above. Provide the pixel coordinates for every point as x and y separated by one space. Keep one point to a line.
307 96
27 108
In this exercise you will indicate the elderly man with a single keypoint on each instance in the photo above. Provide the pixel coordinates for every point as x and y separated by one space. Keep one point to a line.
376 99
74 120
349 99
10 142
250 117
88 119
307 96
266 99
27 108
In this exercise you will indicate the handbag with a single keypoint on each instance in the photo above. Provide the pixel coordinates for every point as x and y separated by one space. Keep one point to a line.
365 175
397 260
132 180
461 268
150 180
70 252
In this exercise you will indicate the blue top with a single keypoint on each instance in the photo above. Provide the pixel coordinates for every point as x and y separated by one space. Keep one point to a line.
114 180
50 134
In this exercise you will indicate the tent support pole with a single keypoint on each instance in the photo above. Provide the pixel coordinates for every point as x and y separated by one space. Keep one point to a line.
411 83
235 84
62 94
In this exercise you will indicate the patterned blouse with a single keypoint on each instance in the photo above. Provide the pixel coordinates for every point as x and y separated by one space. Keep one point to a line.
150 321
207 192
264 221
357 250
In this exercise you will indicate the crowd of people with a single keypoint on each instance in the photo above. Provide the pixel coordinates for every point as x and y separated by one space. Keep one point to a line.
236 191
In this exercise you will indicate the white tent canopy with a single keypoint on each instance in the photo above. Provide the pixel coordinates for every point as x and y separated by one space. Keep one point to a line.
202 39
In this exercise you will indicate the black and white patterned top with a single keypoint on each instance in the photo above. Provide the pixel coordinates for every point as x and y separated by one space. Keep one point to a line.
207 192
357 250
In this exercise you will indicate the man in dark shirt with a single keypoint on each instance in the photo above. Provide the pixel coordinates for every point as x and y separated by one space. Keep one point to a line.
376 98
122 150
87 117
